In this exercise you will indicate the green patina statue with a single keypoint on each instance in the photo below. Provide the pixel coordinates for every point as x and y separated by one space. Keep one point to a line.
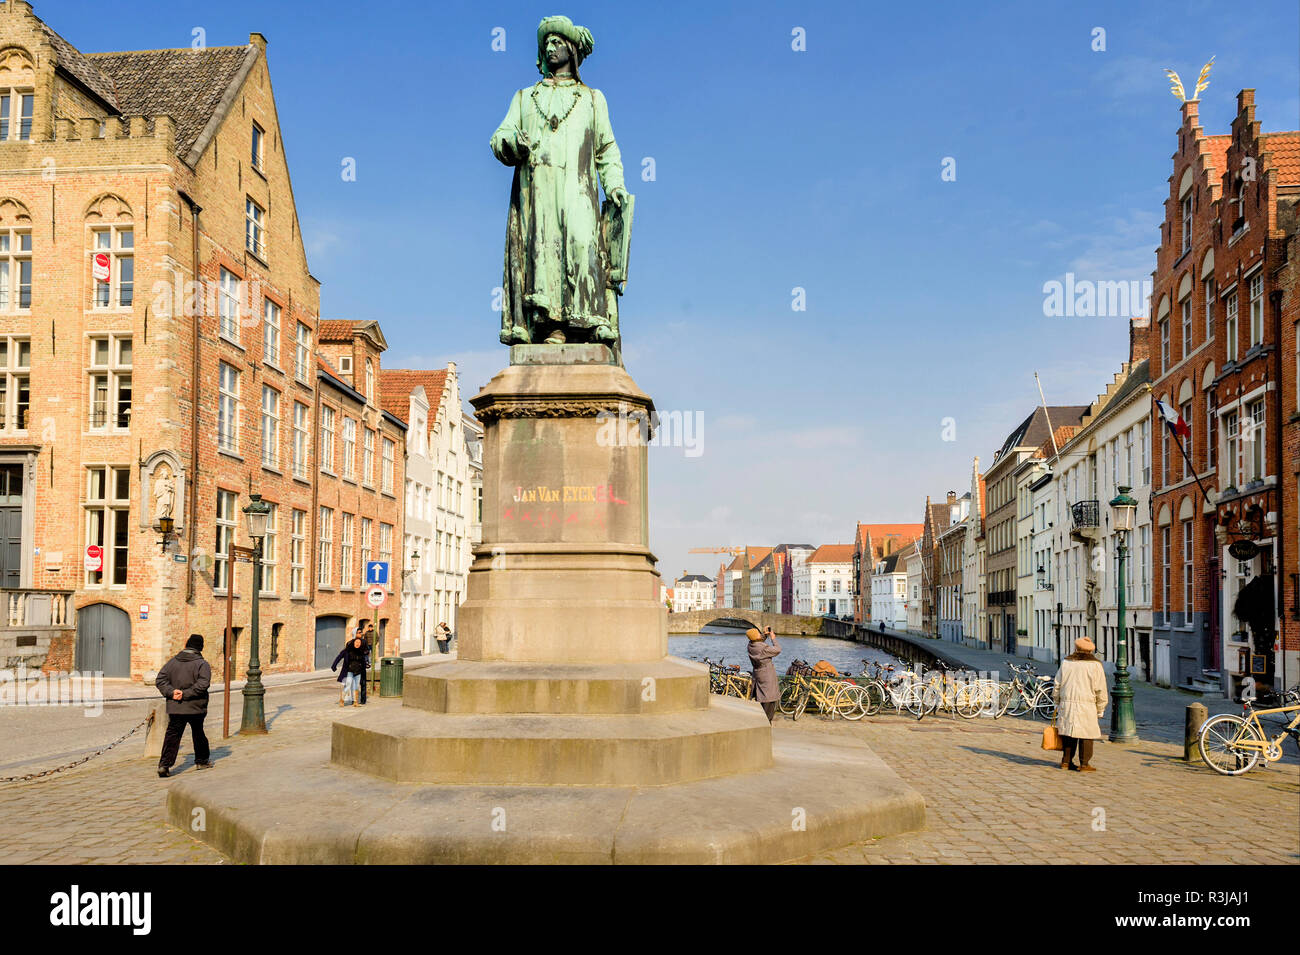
566 252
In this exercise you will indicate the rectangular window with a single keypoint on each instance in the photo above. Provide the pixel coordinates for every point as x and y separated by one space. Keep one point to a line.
271 333
1230 327
386 548
225 537
1164 344
15 383
17 106
1211 430
259 139
389 448
368 459
113 267
1187 326
228 294
1210 295
325 563
1256 462
107 507
367 552
255 229
1255 289
301 439
270 551
1144 430
1187 221
298 555
1188 445
228 408
1128 457
1164 574
15 271
1188 564
302 354
1232 465
270 427
110 383
326 446
1144 561
349 448
345 549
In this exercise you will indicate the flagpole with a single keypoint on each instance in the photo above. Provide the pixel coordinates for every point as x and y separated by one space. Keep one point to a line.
1190 467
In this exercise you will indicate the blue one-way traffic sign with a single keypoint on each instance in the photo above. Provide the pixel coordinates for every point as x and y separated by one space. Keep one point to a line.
376 571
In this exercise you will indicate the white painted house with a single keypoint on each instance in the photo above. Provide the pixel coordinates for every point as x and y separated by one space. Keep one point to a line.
889 591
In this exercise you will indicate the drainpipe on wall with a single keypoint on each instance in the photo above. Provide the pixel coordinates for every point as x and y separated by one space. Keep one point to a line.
1279 537
193 499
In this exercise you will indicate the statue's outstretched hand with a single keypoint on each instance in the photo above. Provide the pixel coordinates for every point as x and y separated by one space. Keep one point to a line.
618 196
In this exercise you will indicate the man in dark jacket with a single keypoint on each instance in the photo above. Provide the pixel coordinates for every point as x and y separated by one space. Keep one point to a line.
183 681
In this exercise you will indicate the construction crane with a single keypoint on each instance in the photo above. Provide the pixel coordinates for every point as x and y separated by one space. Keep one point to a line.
717 550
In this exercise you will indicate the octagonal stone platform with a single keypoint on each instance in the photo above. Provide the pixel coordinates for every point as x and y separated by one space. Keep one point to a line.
293 806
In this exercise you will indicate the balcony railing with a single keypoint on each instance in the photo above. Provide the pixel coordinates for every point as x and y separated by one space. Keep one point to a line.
1086 514
38 608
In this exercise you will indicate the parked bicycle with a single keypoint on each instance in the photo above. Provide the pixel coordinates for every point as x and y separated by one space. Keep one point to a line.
1232 745
1027 691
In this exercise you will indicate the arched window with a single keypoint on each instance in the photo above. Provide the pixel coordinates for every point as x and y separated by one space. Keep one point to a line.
15 257
17 95
112 252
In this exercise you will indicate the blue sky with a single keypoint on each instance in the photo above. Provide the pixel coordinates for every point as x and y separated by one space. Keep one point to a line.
775 169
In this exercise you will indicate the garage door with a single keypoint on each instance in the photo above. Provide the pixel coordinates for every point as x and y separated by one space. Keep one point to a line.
330 634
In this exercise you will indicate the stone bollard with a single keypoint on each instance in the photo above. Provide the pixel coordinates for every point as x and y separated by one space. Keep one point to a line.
153 740
1196 715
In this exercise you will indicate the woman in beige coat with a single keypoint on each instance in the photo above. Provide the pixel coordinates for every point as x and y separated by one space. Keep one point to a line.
1081 699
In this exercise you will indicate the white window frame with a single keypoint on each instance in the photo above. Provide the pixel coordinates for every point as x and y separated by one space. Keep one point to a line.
110 512
118 293
302 354
345 550
106 413
270 428
15 379
229 293
298 555
1255 292
228 407
349 448
301 440
15 271
325 548
389 451
254 228
326 447
271 333
226 526
1186 305
258 146
270 561
1230 326
16 127
368 459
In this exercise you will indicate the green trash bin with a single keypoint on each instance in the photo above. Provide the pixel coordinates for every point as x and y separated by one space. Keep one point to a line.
390 676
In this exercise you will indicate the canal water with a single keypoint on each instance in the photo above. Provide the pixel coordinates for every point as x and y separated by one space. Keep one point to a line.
726 645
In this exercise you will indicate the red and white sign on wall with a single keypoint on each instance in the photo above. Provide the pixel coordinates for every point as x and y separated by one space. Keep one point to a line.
94 557
100 268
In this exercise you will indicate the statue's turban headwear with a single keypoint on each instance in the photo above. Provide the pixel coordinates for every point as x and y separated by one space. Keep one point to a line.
580 37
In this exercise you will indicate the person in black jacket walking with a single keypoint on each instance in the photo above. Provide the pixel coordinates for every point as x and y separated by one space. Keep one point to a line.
353 657
183 681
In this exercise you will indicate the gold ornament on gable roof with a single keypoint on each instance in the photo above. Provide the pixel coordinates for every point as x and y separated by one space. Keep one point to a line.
1202 81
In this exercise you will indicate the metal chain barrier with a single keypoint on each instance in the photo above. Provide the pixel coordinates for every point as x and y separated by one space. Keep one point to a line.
58 769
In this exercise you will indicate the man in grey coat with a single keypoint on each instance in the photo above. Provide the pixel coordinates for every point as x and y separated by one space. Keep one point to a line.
183 681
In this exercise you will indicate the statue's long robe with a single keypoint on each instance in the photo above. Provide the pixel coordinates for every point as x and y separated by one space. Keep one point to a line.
553 260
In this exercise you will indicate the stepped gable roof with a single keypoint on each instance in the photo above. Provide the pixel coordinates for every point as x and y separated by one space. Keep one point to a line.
396 385
832 554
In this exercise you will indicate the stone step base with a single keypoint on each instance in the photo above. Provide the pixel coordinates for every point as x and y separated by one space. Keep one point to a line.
289 806
409 745
664 686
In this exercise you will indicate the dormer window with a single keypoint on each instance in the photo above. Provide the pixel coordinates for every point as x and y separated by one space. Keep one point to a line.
16 107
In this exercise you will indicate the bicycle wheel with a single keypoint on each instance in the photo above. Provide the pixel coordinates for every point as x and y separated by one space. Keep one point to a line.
802 703
789 697
875 697
1018 703
969 701
914 701
931 698
851 701
1219 747
1045 707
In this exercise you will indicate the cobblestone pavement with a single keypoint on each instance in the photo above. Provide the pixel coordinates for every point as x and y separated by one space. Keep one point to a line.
992 795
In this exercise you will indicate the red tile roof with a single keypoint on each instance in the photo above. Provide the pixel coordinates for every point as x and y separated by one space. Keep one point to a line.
1285 148
396 385
832 554
334 330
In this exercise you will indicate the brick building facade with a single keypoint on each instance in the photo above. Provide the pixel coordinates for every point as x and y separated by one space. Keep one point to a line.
158 330
1219 358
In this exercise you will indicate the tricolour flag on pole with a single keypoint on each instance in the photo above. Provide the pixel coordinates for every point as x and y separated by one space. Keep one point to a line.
1172 418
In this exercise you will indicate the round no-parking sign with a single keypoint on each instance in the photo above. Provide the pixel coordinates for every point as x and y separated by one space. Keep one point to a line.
376 596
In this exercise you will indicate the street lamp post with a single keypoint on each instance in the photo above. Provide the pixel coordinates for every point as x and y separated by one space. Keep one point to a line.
1123 726
254 717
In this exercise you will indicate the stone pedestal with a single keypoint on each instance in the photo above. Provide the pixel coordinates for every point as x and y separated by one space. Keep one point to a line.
564 732
563 676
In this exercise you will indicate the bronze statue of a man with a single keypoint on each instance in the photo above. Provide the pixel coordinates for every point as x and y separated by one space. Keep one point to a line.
561 280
